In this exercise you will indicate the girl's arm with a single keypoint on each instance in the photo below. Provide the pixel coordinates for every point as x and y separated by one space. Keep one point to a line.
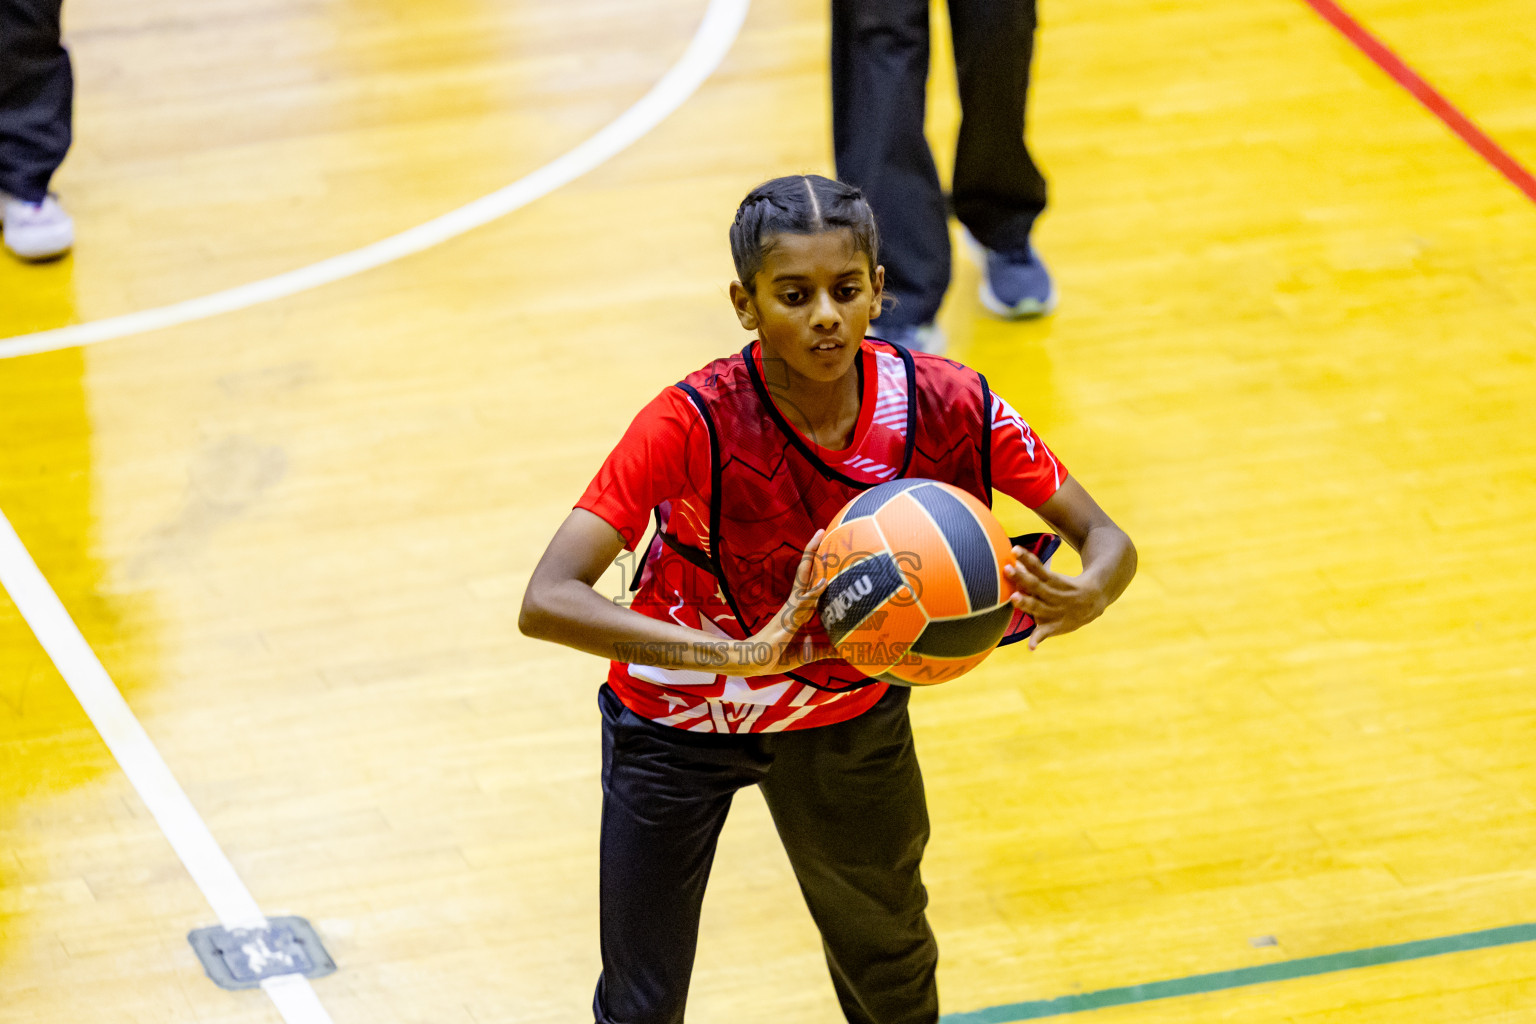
1060 603
560 604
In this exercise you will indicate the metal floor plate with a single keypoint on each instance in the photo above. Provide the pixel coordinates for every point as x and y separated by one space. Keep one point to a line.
244 957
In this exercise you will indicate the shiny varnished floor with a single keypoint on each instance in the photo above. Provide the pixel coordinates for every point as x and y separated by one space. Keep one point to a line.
1295 358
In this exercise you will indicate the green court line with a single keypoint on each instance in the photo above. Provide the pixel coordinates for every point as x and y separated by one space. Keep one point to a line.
1244 976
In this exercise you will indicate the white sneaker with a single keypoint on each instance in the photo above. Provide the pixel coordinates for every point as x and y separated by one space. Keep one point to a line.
37 231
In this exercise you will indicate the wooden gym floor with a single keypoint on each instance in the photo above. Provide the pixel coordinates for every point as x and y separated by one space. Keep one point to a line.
1295 357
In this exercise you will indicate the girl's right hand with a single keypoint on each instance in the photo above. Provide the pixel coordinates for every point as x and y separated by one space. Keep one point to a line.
773 649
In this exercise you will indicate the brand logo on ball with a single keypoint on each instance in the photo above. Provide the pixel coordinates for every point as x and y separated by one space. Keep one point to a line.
840 605
856 593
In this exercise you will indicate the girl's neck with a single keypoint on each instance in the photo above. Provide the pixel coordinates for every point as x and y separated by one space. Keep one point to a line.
826 412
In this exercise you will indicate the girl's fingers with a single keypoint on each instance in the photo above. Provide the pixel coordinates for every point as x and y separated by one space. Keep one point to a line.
1037 569
1026 580
807 588
1029 603
806 576
1038 590
1042 631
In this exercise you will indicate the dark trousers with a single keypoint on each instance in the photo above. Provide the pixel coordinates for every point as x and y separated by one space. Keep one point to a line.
879 77
848 803
36 93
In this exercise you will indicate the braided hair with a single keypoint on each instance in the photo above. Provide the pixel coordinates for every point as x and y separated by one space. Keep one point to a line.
801 204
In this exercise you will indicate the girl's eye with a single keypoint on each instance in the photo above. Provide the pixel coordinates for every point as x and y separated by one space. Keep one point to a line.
791 298
849 292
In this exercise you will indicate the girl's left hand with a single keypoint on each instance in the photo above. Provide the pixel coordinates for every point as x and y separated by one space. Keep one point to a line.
1057 603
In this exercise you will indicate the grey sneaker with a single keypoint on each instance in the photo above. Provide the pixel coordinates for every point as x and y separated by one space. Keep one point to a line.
927 337
1014 285
36 231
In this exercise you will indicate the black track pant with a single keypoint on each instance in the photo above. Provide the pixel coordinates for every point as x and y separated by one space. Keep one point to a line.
848 803
36 93
879 76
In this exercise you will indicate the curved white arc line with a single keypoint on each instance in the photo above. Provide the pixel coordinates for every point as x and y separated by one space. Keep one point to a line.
716 32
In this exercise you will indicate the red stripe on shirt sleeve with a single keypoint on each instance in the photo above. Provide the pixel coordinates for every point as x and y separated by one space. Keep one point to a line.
1022 466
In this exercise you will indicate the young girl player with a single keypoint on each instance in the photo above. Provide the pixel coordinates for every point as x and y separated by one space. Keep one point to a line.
719 676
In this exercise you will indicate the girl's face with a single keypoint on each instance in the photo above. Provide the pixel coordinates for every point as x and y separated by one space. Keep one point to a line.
812 302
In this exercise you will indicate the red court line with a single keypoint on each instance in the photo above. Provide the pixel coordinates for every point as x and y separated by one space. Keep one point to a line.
1425 93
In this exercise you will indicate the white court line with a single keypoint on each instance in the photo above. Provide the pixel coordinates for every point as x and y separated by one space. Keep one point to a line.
141 762
722 22
103 703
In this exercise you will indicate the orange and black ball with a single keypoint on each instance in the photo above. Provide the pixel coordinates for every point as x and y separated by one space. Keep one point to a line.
916 592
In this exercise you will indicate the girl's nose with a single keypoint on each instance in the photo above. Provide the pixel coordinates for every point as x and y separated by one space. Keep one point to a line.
825 314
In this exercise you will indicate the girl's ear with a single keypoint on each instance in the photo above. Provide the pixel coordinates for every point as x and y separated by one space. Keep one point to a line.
877 290
745 305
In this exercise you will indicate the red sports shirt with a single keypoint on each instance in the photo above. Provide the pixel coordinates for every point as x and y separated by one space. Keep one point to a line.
664 458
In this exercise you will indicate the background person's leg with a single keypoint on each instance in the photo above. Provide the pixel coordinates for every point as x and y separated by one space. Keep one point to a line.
848 803
998 191
879 83
36 96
